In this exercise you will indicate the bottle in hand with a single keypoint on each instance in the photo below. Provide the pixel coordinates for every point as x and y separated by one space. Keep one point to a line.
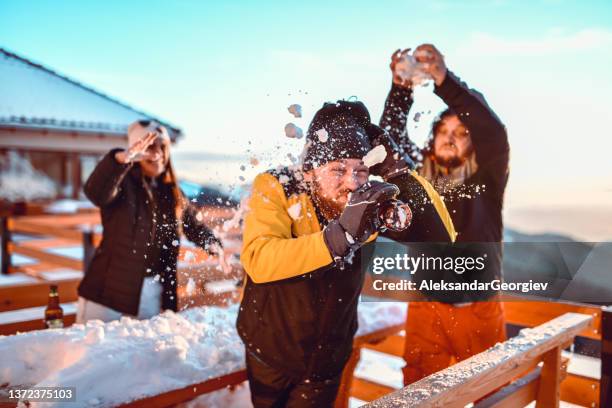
54 315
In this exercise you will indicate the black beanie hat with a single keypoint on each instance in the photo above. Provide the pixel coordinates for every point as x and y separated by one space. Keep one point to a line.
337 131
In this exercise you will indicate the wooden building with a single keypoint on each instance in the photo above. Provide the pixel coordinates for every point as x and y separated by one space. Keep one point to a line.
58 125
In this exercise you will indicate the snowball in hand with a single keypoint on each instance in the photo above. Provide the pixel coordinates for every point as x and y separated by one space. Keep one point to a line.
397 216
409 69
293 131
375 156
295 110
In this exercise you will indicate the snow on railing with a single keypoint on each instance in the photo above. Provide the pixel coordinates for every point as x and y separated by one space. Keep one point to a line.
483 372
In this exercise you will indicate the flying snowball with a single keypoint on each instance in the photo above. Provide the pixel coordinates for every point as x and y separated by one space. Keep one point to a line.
295 110
375 156
293 131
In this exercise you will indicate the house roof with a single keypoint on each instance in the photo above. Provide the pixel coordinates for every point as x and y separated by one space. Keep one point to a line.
34 96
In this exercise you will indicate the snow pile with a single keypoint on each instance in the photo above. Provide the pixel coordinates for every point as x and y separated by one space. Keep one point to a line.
293 131
124 360
117 362
238 397
375 156
19 181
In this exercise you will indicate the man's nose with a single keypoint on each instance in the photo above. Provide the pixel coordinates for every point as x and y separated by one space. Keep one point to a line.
351 182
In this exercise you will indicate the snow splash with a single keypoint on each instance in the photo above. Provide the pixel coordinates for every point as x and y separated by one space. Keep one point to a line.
375 156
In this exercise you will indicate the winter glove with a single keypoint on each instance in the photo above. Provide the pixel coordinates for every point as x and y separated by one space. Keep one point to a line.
395 162
359 219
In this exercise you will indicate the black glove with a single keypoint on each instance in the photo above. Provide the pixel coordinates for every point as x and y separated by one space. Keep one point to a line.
395 162
359 219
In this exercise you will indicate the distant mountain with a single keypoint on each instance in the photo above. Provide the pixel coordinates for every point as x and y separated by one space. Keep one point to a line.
576 271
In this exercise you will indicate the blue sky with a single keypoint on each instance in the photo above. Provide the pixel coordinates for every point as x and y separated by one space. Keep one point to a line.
226 73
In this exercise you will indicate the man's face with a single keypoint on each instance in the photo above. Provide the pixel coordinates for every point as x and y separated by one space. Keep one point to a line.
333 182
452 142
156 159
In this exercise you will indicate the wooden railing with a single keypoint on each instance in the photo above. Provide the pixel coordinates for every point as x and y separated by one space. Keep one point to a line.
513 365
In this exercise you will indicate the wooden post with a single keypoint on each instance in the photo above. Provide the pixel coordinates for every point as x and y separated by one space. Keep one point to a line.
75 172
549 389
5 238
605 388
344 392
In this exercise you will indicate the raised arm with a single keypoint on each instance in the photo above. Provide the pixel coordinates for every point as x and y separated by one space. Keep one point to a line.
395 113
488 134
104 184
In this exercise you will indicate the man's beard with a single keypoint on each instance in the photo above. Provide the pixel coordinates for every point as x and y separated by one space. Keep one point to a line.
330 208
449 162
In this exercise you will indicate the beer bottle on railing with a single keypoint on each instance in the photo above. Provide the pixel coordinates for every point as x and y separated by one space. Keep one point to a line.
54 315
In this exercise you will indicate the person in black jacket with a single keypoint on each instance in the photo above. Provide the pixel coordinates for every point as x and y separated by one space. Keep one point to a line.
466 161
133 271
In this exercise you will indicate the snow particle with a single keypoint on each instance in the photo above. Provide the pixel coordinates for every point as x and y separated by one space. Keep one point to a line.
375 156
295 110
293 132
322 135
295 210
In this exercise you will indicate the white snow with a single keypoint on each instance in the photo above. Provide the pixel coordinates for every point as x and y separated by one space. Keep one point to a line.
31 313
16 279
117 362
190 287
68 206
293 131
238 397
189 256
295 110
375 156
457 374
409 69
61 274
295 210
19 181
237 218
128 359
322 135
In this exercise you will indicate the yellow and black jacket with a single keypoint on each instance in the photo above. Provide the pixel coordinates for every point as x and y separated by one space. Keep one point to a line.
299 310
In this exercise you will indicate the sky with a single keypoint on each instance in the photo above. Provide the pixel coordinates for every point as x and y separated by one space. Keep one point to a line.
225 72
